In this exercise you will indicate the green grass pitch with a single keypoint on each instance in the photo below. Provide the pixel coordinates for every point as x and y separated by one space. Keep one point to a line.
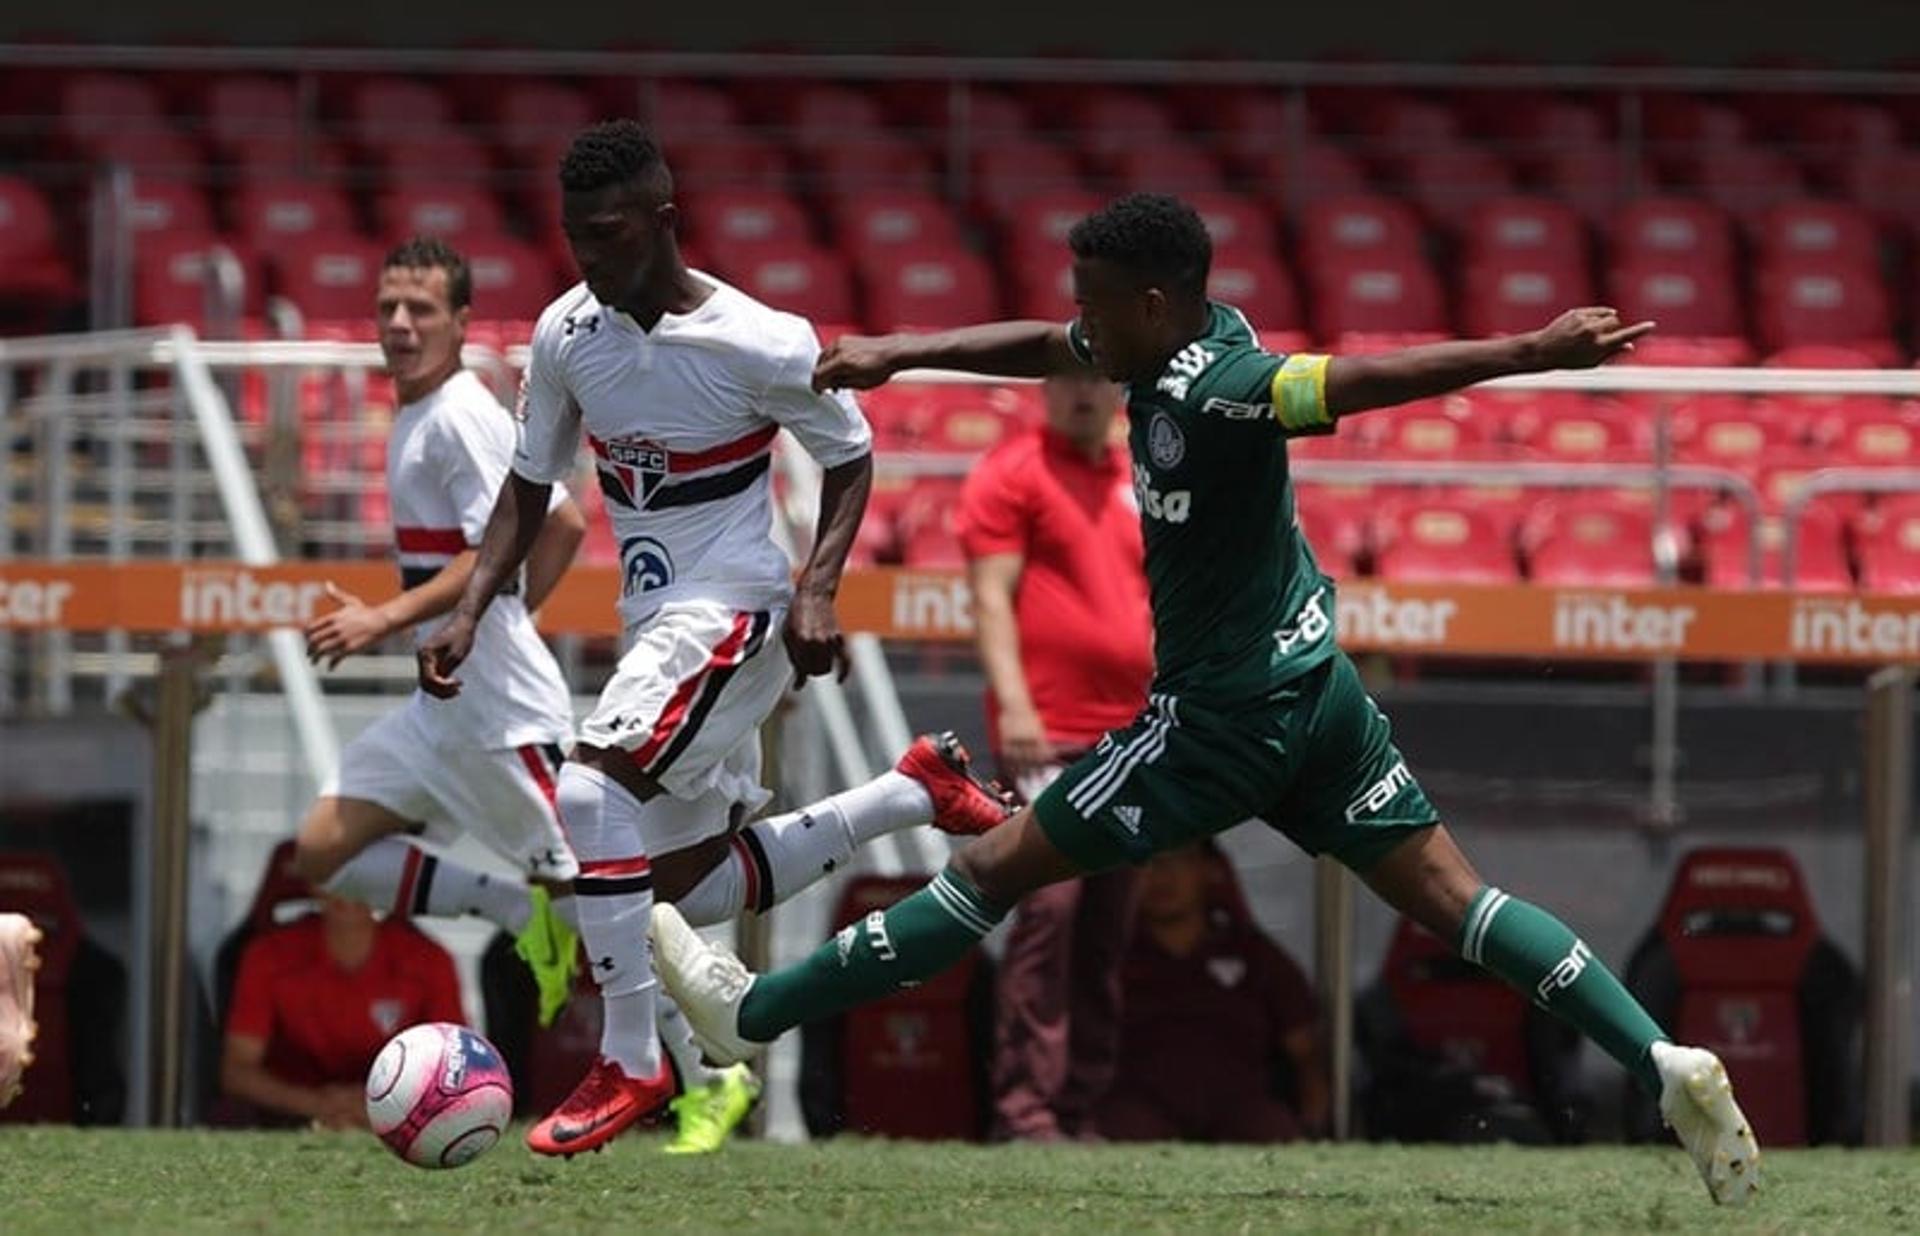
64 1181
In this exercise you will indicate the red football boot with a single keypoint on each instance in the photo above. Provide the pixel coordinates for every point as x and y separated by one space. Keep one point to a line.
962 803
604 1105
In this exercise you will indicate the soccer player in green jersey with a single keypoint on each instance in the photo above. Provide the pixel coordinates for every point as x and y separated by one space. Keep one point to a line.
1255 711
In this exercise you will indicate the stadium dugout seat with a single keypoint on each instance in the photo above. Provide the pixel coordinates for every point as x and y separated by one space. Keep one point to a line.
280 897
272 212
511 279
1007 174
1837 233
867 162
329 277
1360 228
727 162
1387 296
865 224
1888 543
1671 230
453 211
32 270
1738 964
1036 228
1453 1054
1804 302
1525 228
1511 294
170 275
802 279
1165 167
1589 541
1689 299
379 109
720 220
927 286
1449 182
1820 550
907 1066
530 115
1255 282
1443 540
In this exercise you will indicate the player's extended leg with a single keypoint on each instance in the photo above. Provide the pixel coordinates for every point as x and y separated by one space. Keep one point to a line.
1428 879
909 942
771 859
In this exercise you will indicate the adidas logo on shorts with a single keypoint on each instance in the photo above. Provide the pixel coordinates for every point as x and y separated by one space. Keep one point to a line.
1129 817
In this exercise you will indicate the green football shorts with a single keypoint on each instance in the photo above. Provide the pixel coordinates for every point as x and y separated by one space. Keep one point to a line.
1314 759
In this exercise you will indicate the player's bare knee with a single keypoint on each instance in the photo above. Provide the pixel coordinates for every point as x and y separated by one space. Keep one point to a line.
618 767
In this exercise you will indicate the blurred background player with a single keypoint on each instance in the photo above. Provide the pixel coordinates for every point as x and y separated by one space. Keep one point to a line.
1052 538
1200 971
1255 709
482 765
315 1001
680 384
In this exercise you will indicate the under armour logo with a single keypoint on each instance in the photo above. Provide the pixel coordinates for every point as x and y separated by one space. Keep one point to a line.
828 866
806 821
590 324
605 963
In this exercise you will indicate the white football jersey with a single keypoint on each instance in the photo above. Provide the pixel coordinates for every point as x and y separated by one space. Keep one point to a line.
681 420
447 457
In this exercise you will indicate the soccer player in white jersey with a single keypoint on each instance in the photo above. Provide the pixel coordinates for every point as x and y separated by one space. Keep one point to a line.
482 765
680 384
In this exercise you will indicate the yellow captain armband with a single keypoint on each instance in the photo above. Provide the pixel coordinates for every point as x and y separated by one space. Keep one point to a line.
1300 393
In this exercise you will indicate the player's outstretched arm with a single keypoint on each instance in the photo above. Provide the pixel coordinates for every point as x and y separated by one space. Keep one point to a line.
1577 339
518 513
999 349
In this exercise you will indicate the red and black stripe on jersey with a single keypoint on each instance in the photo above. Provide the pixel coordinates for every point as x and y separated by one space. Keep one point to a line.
640 475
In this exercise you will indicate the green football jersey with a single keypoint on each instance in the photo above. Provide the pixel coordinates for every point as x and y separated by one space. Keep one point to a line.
1239 604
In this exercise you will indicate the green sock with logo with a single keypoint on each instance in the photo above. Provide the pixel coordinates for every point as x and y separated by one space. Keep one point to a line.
910 941
1540 956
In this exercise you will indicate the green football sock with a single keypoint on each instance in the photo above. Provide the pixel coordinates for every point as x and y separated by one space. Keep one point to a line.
912 940
1538 954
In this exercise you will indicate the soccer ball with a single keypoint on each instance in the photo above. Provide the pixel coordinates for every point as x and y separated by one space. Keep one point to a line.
439 1095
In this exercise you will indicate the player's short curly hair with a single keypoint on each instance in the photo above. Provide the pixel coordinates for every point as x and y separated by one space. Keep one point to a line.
431 253
613 152
1160 239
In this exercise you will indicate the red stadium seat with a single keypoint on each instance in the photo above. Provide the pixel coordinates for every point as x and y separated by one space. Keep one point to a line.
1781 473
1548 121
1589 541
1165 167
1884 183
727 162
1407 120
93 104
1688 299
171 272
1233 222
1819 230
927 287
927 535
1870 439
278 156
1344 230
148 152
1565 427
272 211
452 211
1254 281
532 115
750 217
31 268
1037 227
168 206
1512 294
1438 540
1008 174
869 162
1112 120
329 277
971 420
1448 182
1247 126
1814 302
1889 547
1594 180
867 223
801 279
1834 132
1291 178
380 109
511 279
448 156
1684 119
823 113
239 107
679 111
1388 295
1672 230
1820 551
1431 429
1729 430
1042 285
1527 228
1745 180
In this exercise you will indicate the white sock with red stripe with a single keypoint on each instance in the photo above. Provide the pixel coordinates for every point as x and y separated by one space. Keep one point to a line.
400 878
614 895
772 859
676 1035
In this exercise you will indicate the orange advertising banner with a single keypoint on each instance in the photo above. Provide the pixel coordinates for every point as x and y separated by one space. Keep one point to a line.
1613 624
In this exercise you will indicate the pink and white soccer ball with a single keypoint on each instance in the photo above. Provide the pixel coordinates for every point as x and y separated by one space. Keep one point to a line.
439 1095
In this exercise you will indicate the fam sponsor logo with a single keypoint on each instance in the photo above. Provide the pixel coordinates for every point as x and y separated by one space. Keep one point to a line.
1380 793
29 602
1375 617
236 597
1612 622
1847 627
1309 626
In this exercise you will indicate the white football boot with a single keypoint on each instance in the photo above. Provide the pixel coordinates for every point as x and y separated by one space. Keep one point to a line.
19 960
1696 1101
708 983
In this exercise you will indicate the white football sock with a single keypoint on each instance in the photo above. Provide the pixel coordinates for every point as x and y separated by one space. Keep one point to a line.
614 893
677 1035
400 878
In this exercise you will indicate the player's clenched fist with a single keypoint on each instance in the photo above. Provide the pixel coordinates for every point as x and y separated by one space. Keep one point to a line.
1583 338
854 362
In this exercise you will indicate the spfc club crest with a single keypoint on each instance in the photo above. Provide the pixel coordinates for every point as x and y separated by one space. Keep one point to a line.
630 470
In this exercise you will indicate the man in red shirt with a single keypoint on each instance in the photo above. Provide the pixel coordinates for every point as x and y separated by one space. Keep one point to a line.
1052 539
1200 972
317 999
